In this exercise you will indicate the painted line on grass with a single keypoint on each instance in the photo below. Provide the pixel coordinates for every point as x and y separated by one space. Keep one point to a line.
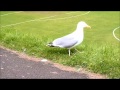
71 12
68 17
27 21
114 33
46 19
11 13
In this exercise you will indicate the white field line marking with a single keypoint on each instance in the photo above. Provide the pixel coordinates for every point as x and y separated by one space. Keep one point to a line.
11 13
68 17
114 33
71 12
41 19
28 21
22 11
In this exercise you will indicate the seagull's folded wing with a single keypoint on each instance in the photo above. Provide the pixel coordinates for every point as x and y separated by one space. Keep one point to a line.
65 42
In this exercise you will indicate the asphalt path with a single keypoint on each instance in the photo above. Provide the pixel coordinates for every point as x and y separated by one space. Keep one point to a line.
13 66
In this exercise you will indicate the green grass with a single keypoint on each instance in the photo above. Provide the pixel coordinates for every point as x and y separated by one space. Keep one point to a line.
100 50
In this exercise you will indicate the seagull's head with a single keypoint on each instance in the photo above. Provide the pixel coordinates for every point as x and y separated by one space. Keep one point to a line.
82 24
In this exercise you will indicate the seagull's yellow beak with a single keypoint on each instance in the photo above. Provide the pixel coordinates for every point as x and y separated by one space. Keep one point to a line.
88 27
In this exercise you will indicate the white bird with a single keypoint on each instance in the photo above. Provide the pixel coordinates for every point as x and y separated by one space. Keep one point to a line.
71 40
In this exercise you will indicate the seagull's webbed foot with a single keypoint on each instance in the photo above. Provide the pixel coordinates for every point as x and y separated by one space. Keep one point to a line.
78 51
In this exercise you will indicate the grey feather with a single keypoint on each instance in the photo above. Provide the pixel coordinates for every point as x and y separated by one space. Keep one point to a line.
65 42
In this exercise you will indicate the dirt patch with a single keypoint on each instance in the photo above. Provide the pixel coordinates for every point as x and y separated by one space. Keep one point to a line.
62 67
81 70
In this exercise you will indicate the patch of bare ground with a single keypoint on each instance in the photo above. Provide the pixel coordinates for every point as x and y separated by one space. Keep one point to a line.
90 74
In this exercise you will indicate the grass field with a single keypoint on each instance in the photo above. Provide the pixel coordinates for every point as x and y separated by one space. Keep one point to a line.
100 50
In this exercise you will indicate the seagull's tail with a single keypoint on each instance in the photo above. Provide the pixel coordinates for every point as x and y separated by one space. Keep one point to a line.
50 44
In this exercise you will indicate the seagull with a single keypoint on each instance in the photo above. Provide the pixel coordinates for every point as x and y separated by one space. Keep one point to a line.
71 40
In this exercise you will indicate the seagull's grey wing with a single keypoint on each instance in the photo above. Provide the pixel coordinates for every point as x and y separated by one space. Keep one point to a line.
65 42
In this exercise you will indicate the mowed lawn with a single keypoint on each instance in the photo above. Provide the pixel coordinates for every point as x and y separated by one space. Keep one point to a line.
29 32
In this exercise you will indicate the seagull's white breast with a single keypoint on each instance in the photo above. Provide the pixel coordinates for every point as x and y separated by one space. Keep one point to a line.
79 37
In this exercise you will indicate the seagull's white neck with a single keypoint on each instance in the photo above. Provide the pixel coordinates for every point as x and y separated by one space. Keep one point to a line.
79 30
79 33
